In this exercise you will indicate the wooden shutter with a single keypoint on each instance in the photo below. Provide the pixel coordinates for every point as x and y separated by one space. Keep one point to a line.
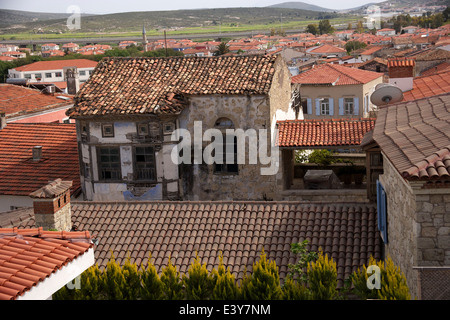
309 105
356 106
341 106
381 211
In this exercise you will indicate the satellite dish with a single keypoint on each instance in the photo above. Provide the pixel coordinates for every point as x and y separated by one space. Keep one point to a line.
386 93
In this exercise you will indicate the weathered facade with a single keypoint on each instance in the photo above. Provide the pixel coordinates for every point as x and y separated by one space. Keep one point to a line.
126 126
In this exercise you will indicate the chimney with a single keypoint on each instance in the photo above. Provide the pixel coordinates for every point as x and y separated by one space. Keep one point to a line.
51 203
2 120
73 81
37 153
402 72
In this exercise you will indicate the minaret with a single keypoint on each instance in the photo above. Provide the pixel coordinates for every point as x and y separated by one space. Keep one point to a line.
144 37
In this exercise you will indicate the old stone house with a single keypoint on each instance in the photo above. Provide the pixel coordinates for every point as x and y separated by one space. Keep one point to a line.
409 152
129 110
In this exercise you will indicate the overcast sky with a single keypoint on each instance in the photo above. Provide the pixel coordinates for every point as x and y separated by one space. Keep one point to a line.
113 6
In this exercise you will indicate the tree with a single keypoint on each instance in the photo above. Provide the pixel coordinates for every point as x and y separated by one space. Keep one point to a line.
446 13
199 283
151 285
172 284
325 27
322 278
225 286
312 28
264 281
359 27
222 49
354 45
298 270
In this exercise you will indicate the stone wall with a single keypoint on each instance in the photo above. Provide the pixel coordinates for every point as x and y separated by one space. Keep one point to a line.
401 225
418 224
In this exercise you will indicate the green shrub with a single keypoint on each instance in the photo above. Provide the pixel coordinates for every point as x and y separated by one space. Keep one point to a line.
172 284
225 286
298 270
393 285
292 290
322 278
198 283
263 283
151 285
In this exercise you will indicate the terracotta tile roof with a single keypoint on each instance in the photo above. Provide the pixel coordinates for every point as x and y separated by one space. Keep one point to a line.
427 86
159 85
436 69
52 190
313 133
432 54
20 175
372 50
29 256
57 64
333 74
326 48
346 232
17 100
401 62
415 136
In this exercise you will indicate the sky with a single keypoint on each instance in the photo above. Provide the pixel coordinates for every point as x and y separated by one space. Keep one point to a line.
114 6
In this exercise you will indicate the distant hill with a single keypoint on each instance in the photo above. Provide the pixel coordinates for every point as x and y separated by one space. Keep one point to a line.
133 21
17 17
300 5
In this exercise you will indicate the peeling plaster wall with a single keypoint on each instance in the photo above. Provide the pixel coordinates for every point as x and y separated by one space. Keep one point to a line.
127 189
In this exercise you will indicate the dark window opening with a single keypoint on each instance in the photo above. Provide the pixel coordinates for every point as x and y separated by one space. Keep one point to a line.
109 163
145 163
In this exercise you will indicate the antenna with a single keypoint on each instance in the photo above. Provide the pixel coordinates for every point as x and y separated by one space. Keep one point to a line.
386 93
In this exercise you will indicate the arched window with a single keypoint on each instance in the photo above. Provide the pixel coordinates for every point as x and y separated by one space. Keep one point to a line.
227 167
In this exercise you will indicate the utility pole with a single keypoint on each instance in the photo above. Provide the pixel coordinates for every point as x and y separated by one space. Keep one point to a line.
165 42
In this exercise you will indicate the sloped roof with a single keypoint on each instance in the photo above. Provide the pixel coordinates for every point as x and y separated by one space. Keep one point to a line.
240 230
415 137
29 256
17 100
427 86
57 65
333 74
159 85
326 48
323 132
20 175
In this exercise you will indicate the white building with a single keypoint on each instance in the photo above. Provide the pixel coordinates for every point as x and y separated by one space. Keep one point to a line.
53 71
386 32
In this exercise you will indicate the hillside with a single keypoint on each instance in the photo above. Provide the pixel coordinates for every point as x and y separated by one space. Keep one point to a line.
170 20
10 18
301 6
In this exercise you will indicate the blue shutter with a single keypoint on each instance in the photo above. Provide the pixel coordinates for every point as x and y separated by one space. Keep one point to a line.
341 106
331 100
356 106
381 211
309 105
317 107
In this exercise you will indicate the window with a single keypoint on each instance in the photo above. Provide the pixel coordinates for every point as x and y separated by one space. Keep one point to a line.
226 167
27 76
325 106
58 74
82 73
38 76
107 130
348 106
145 163
169 127
109 163
382 211
48 75
142 129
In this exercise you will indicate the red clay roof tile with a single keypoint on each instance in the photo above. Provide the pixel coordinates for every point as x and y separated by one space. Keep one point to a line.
143 85
314 133
333 74
27 257
57 64
414 136
20 174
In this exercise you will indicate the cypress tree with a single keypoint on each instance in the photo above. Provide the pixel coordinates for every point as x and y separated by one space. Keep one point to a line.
151 284
199 282
172 284
225 286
